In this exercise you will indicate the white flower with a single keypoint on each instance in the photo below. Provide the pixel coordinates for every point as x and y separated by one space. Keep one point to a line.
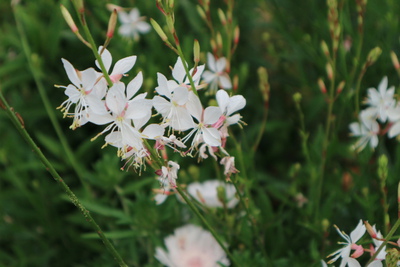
203 131
207 193
121 67
350 244
84 92
191 246
180 77
229 166
367 129
174 111
132 24
381 99
216 76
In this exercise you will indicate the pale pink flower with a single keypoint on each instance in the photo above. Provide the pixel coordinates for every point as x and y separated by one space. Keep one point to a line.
229 166
191 246
170 173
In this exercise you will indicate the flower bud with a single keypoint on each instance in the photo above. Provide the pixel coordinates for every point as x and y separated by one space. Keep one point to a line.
370 230
321 85
395 60
201 12
235 82
329 71
112 24
324 48
196 51
112 7
340 87
68 18
374 55
158 29
236 35
79 5
221 16
297 97
219 40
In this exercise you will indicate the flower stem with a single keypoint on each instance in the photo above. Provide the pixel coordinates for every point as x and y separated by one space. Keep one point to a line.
18 123
35 70
201 217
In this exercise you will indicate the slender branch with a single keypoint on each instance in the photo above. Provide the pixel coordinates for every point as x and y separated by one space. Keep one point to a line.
19 125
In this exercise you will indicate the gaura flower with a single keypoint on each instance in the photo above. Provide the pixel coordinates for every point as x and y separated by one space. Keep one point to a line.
85 92
132 24
382 99
216 77
367 129
191 246
349 244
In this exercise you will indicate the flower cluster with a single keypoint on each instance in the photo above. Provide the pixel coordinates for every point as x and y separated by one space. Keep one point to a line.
191 128
382 108
349 258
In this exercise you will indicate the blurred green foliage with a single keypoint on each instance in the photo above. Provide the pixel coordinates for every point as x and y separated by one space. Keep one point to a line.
40 227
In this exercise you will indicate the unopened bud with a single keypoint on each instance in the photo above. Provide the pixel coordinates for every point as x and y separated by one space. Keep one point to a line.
297 97
213 46
263 84
201 12
219 40
196 51
79 5
324 48
112 24
329 71
221 16
158 29
370 230
235 82
321 85
395 60
382 167
374 55
236 35
68 18
171 4
325 225
340 87
170 24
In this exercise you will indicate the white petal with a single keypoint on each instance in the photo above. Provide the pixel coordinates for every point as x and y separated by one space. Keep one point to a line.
211 137
211 62
123 17
194 106
225 81
106 58
211 115
153 131
115 99
357 233
73 93
124 65
143 26
134 85
221 64
181 120
383 86
162 88
180 96
222 98
236 103
134 14
89 77
161 105
178 71
394 130
71 73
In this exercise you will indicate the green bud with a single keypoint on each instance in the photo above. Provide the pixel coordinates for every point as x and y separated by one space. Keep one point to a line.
297 97
158 29
374 55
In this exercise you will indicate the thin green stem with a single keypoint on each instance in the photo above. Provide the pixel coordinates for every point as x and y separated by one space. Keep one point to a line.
16 120
34 68
387 238
209 227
